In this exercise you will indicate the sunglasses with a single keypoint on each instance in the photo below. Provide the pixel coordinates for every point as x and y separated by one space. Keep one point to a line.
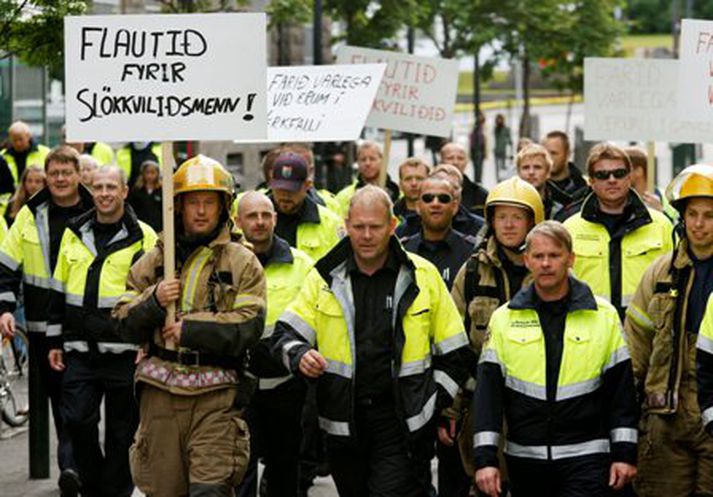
443 198
617 173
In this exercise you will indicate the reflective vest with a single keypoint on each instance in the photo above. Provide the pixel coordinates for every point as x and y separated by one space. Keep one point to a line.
639 248
316 239
427 329
285 274
91 280
594 406
34 158
103 153
24 256
123 158
704 374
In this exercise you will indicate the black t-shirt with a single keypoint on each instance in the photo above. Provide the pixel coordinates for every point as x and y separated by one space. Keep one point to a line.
552 317
700 291
103 233
447 255
58 218
373 311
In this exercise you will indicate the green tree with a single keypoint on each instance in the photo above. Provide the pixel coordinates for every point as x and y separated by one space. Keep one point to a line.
371 24
34 31
558 34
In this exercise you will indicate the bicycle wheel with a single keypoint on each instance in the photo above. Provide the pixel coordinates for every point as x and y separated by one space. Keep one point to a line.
14 379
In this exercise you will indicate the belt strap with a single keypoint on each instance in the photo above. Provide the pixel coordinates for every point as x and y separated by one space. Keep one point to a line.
188 357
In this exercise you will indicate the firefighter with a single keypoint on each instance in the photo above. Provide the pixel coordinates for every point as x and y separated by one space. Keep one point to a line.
192 439
556 368
662 325
93 262
375 327
490 277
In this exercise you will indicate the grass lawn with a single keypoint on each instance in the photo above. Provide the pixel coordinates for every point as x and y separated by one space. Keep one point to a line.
630 43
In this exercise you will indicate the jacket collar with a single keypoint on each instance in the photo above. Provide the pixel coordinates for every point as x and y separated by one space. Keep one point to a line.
42 196
342 252
281 252
580 297
635 210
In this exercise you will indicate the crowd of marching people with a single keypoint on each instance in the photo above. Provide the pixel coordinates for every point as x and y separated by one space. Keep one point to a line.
550 337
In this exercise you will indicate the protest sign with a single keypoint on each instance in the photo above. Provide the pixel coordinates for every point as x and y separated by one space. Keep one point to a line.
319 103
416 95
636 99
695 74
165 77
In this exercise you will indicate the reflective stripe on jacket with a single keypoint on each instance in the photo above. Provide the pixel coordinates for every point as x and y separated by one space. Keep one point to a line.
24 257
34 158
647 235
594 409
88 281
661 355
222 309
705 367
428 339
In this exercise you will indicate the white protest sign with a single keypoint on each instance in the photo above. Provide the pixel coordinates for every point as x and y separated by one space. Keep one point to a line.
635 99
695 75
319 103
165 77
417 94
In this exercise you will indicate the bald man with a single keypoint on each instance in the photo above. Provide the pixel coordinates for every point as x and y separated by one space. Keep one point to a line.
473 195
22 151
275 412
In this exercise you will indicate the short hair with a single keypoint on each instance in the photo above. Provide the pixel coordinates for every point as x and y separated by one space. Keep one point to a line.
453 144
253 194
524 142
369 194
63 154
367 144
441 180
450 171
112 168
19 127
554 230
86 160
603 151
558 134
413 162
534 150
638 158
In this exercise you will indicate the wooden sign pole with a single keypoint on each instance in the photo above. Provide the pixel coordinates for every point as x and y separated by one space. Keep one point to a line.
169 238
385 161
651 167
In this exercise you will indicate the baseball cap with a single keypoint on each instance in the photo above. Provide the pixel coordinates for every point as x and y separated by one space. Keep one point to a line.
289 172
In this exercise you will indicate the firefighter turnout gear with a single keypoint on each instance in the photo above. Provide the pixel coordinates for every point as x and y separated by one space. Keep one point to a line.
222 312
587 410
612 262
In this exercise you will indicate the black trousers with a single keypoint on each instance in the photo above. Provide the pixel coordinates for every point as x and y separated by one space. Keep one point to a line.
89 378
586 476
275 420
380 463
52 381
452 478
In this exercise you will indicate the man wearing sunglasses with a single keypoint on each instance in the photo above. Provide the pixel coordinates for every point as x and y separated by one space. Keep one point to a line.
616 237
437 241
